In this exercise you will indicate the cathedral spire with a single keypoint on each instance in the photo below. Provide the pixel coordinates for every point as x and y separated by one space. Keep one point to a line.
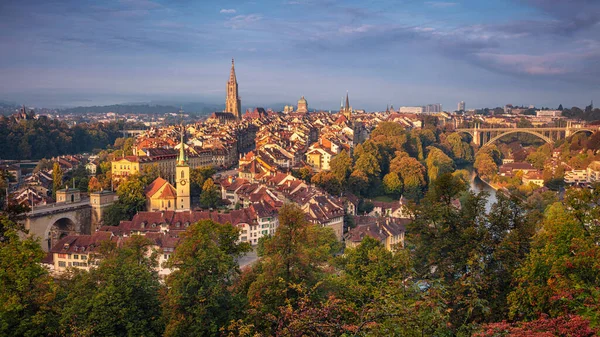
232 77
347 107
181 160
233 103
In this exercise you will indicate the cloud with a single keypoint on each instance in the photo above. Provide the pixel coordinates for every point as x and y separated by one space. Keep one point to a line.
354 30
441 4
227 11
242 21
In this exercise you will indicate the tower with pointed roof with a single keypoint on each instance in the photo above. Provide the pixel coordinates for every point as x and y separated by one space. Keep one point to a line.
182 177
346 110
233 102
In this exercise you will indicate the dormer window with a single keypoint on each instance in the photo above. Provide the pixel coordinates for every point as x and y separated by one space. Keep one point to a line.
154 225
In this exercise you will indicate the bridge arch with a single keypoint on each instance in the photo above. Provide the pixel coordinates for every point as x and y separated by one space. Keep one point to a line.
57 229
542 137
576 131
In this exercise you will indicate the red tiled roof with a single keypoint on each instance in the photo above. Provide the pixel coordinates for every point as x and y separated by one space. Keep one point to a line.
154 186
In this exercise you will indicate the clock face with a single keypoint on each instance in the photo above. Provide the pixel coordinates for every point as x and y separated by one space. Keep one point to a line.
182 182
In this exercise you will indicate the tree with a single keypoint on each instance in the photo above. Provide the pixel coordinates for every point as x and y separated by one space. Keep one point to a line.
341 166
568 325
560 274
461 150
149 173
524 123
305 173
392 184
368 164
413 177
211 196
57 179
43 165
118 298
537 159
27 292
384 297
131 194
198 176
293 258
485 165
469 253
328 181
132 200
358 182
438 163
94 185
198 301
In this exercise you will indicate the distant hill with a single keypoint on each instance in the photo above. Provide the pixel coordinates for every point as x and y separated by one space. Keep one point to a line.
146 108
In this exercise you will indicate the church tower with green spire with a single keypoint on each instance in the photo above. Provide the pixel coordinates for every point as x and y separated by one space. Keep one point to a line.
182 177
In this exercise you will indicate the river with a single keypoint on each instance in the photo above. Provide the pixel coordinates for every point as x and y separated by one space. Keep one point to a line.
477 185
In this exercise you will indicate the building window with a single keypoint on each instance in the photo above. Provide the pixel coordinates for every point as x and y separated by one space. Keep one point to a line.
62 256
75 257
84 257
62 264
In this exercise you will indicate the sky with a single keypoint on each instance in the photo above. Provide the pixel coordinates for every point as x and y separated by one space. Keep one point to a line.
403 52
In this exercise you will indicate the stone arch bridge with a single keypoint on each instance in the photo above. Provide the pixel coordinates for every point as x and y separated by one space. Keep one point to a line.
52 222
485 136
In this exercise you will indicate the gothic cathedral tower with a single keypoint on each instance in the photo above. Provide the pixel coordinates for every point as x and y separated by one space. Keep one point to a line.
182 178
346 110
233 103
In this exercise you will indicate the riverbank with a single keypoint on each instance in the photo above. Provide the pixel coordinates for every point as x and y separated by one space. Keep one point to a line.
490 184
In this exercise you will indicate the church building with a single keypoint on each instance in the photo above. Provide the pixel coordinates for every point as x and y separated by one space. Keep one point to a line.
346 110
233 103
162 196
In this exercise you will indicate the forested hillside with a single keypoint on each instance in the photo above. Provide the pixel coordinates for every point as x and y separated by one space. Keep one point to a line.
46 138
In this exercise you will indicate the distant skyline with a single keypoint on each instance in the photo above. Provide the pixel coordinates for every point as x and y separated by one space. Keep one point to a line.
486 53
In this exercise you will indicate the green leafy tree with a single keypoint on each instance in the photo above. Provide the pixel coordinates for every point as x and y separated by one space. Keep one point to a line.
413 177
438 163
327 181
461 150
537 159
560 274
149 174
211 196
131 194
198 301
341 166
118 298
385 298
358 182
368 164
132 200
305 173
392 184
57 179
27 292
293 258
450 247
198 176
